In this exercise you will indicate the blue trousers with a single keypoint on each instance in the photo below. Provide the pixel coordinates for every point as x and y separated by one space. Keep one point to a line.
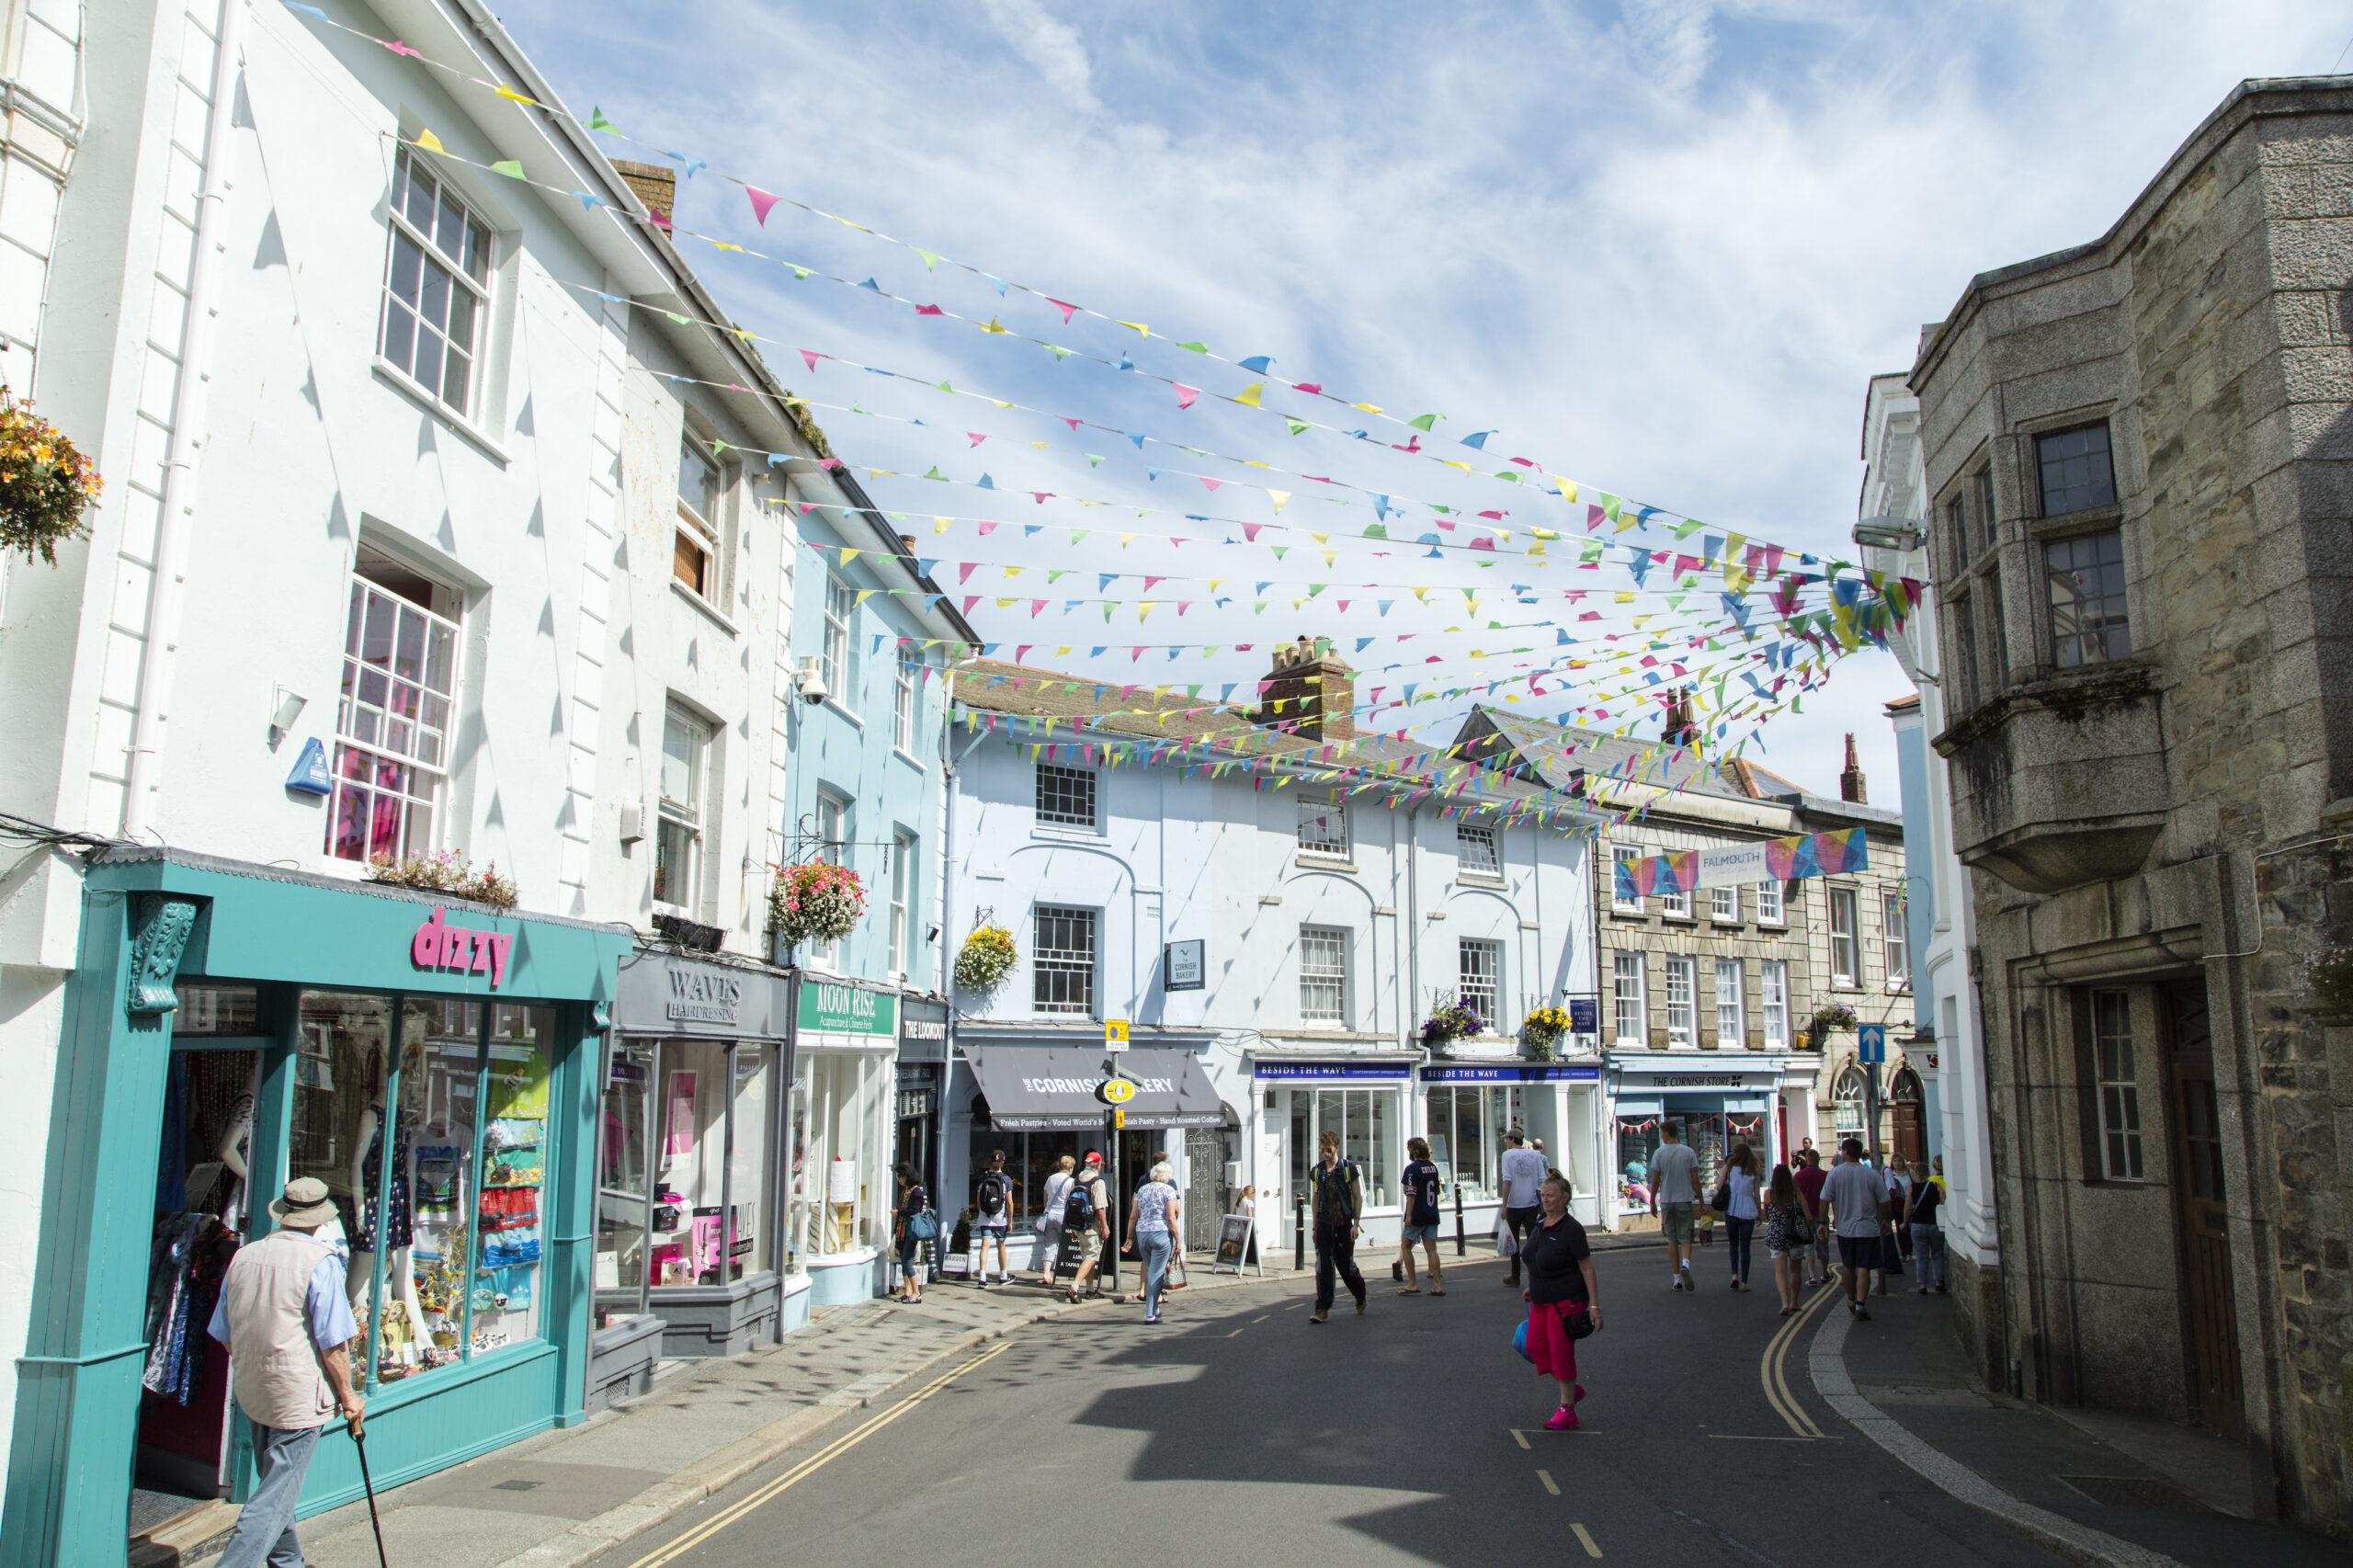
266 1528
1155 1247
1928 1255
1740 1235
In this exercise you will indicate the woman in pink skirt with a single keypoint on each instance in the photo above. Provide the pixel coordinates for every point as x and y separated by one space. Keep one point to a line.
1560 1291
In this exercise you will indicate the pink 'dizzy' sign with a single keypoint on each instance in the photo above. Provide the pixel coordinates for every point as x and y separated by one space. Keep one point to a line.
439 946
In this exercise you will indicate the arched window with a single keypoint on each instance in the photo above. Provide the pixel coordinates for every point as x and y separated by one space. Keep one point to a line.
1904 1086
1846 1104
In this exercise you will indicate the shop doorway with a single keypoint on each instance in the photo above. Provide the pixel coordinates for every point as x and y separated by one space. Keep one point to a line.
916 1141
1207 1195
2209 1317
1907 1124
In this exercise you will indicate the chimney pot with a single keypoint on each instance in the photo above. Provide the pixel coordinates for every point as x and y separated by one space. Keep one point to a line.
1851 782
656 185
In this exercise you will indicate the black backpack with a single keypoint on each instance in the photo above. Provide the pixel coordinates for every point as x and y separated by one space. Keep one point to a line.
989 1199
1078 1209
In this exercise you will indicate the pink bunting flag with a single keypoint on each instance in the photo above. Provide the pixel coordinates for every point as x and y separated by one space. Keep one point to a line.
809 358
1018 653
1498 516
1307 386
1482 542
978 437
1185 394
1250 531
986 528
964 570
1066 310
807 508
761 202
1593 516
1066 419
1041 497
1525 462
970 600
1212 484
929 311
1148 582
1036 608
397 47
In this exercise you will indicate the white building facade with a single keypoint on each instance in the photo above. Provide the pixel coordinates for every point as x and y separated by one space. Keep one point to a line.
1286 933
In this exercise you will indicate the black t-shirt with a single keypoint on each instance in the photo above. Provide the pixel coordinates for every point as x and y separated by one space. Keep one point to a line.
1421 1193
1925 1197
1552 1254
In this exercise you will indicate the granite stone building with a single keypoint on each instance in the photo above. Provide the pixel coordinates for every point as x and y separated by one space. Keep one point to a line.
2137 474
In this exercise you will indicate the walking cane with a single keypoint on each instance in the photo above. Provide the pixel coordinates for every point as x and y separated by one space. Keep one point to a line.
370 1487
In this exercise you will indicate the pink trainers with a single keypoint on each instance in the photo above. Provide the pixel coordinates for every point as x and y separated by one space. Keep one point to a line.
1563 1420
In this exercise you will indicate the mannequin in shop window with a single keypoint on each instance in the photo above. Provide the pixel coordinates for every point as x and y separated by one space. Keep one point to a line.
232 1153
400 1345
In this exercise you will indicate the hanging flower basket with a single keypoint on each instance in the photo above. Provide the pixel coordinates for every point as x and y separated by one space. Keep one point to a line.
1457 1022
987 957
1543 1030
815 901
45 483
1837 1015
446 871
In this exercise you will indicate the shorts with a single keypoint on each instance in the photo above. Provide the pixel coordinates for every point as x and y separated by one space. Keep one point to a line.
1090 1246
997 1231
1548 1345
1858 1252
1675 1218
1784 1251
1427 1233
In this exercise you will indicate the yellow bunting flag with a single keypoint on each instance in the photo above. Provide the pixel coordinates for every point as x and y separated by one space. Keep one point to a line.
506 92
430 143
848 555
1139 326
1278 497
1248 396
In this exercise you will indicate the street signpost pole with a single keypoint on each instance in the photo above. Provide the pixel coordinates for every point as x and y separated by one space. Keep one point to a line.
1115 1040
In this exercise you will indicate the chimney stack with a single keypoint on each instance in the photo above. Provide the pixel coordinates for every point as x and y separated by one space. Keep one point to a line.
656 185
1682 722
1309 693
1851 782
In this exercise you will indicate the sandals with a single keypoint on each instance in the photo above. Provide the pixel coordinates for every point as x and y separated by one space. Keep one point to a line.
1410 1290
1438 1291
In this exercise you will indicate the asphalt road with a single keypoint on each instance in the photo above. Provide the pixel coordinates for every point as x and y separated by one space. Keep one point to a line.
1236 1433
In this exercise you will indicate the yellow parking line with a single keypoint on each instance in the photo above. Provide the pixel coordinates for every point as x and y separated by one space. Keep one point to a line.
1549 1485
1586 1540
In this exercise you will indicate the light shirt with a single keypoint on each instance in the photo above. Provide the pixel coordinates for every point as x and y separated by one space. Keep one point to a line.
1152 1199
1855 1191
327 1301
1523 1177
1674 1174
1058 1187
1742 1203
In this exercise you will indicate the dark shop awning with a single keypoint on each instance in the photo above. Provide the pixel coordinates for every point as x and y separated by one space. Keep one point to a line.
1035 1088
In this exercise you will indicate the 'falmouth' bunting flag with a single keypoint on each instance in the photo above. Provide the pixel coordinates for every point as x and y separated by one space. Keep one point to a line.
1769 860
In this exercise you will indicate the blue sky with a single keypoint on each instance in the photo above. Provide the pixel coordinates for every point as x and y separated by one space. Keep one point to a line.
1659 244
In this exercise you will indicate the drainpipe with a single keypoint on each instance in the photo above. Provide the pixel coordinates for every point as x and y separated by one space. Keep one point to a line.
166 589
948 760
1413 976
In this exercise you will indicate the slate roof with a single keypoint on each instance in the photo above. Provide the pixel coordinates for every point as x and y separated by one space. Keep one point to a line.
1562 754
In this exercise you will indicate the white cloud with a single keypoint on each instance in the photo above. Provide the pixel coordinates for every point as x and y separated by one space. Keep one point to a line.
1051 46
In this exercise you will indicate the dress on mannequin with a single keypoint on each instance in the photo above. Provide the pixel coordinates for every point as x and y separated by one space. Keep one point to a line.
399 1235
232 1153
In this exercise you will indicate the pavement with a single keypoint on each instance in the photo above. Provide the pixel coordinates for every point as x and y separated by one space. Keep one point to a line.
1715 1431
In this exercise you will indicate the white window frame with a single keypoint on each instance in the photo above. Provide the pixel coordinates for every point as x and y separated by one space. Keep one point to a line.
1846 938
902 701
701 534
1724 905
1895 942
902 876
1469 982
406 170
368 733
1731 1005
1323 827
1847 1106
1771 909
1773 1001
840 610
1682 1015
2117 1084
679 821
1057 778
1324 975
1675 905
1078 965
1476 850
836 822
1630 1013
1618 852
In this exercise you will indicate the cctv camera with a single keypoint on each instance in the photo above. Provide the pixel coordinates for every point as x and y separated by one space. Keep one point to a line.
810 675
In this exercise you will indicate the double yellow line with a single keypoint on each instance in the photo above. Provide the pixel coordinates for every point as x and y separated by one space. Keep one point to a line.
710 1526
1773 1371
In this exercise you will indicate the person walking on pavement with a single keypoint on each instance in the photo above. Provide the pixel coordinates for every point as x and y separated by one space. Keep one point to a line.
1153 1219
1521 1172
912 1202
1892 1236
285 1319
1049 1219
1855 1198
1335 1206
1810 1176
1928 1234
993 1218
1786 1239
1423 1183
1087 1215
1675 1189
1560 1286
1742 1190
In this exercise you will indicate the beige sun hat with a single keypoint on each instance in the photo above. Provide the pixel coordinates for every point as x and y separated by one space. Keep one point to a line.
305 1204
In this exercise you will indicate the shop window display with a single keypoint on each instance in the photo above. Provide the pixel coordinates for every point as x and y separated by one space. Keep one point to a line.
1637 1141
841 1195
1467 1126
684 1167
624 1138
1366 1120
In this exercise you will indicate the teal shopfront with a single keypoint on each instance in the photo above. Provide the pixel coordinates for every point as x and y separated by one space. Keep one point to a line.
230 1026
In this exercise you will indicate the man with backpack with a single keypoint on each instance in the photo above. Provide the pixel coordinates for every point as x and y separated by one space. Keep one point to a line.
1086 1221
992 1218
1335 1206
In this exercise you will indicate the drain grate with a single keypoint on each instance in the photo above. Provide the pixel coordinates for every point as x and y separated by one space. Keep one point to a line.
2134 1491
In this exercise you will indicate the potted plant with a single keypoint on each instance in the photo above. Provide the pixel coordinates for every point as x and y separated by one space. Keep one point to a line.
449 871
815 901
1837 1015
1543 1030
987 957
1458 1021
45 483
